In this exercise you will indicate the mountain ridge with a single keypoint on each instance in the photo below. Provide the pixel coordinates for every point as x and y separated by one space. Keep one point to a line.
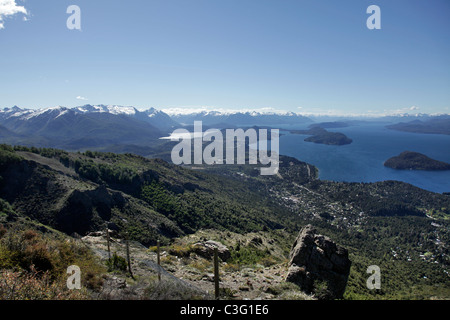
437 125
240 117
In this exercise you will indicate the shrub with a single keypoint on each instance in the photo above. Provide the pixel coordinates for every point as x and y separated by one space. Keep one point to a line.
321 290
2 231
33 285
37 255
202 265
172 290
249 255
180 250
93 281
116 263
33 266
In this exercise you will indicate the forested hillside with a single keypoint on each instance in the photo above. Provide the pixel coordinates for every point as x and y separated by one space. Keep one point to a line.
401 228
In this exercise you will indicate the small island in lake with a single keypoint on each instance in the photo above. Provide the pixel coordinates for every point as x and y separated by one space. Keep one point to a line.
408 160
320 135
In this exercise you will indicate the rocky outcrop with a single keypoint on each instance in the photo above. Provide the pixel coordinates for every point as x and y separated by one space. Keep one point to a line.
206 250
318 265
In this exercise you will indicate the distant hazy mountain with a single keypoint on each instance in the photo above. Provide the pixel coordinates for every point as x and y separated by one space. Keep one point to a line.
211 118
411 117
221 119
330 125
437 125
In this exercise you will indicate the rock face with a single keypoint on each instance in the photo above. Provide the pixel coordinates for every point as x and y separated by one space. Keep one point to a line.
318 265
206 250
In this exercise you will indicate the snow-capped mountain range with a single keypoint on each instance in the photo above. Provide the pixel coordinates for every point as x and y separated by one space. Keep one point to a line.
127 129
88 126
155 117
100 126
239 118
37 121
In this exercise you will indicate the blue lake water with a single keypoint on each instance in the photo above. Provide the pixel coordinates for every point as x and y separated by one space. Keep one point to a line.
362 160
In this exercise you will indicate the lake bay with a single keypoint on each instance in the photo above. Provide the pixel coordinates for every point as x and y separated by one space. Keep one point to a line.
362 160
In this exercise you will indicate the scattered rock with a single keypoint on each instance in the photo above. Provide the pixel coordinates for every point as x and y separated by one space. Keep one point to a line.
318 265
102 233
208 277
113 288
95 234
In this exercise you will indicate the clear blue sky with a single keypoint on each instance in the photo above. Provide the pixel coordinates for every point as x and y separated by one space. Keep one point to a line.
300 55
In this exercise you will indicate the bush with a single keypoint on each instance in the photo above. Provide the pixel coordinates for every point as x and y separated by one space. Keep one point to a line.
249 255
93 281
33 285
2 231
321 290
288 291
38 256
34 266
180 250
116 263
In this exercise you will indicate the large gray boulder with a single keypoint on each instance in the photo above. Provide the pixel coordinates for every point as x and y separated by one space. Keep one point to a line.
206 250
318 265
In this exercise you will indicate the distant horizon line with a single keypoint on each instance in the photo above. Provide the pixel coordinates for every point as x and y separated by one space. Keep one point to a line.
179 111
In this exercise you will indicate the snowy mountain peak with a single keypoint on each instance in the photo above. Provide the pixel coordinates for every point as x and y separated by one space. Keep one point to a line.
152 112
10 111
54 111
113 109
177 112
26 114
152 116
